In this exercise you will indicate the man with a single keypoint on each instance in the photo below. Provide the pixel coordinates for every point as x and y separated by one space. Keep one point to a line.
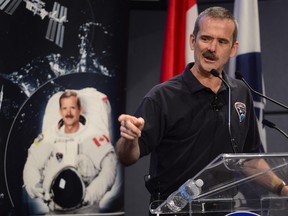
183 123
73 145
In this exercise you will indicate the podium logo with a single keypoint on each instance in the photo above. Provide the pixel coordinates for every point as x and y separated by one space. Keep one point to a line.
242 213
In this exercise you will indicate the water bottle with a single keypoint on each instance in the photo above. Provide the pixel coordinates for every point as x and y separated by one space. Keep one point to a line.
185 194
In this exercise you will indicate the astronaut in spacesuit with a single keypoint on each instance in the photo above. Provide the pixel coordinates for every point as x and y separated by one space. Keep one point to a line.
74 142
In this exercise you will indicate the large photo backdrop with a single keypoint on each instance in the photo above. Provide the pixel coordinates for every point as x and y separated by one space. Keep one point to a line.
75 48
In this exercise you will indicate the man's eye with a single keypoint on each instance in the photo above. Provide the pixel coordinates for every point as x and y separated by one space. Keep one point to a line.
205 39
223 41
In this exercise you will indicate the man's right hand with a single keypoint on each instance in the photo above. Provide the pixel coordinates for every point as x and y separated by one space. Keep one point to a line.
130 126
127 147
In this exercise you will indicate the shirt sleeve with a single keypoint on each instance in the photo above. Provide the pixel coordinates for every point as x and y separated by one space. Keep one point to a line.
153 129
253 142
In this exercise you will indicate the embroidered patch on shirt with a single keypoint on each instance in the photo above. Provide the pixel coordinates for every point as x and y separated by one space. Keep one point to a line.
98 142
38 139
241 110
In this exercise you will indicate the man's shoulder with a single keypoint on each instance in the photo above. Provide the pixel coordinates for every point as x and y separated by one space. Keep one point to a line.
174 83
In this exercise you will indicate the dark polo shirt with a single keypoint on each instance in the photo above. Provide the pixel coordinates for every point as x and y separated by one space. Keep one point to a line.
186 127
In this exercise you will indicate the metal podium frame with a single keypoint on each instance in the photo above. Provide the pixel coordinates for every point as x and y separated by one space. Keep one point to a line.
232 183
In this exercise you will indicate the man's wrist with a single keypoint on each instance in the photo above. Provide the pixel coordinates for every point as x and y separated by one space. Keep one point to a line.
279 187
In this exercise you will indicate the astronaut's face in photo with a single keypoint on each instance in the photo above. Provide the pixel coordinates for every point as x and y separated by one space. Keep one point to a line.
70 111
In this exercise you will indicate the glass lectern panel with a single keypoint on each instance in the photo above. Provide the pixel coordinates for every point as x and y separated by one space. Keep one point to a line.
231 182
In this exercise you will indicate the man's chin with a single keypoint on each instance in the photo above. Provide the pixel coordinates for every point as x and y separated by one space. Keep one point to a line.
68 123
207 70
210 67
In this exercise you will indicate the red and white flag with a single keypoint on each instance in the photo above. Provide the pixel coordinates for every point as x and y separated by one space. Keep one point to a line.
180 24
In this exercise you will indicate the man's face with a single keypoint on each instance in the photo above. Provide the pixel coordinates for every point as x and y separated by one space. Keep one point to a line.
70 111
213 45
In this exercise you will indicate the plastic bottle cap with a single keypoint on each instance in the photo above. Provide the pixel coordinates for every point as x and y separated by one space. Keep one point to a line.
199 183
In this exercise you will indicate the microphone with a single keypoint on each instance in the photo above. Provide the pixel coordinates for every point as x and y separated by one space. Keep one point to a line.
265 122
238 75
233 143
272 125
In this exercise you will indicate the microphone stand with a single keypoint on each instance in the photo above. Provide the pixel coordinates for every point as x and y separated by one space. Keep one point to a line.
238 75
272 125
234 145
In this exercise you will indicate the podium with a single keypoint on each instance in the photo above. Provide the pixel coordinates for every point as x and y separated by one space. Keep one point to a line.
233 183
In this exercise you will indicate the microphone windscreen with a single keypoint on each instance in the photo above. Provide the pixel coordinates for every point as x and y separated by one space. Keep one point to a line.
214 73
268 123
238 75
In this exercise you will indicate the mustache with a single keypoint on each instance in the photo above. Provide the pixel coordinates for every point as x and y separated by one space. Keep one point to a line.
69 116
208 54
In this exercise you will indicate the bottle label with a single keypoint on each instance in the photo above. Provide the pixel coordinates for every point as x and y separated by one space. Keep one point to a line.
185 194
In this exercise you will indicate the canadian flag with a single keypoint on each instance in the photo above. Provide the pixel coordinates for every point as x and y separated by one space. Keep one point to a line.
179 26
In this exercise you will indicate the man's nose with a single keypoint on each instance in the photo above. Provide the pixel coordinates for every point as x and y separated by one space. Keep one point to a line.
213 45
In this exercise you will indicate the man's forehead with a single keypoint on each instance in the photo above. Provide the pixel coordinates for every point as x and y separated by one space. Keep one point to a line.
208 20
221 26
71 99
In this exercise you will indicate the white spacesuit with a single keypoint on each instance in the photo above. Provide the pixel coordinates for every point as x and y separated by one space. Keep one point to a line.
88 151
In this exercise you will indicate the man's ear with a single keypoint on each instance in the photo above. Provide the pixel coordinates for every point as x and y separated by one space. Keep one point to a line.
234 49
192 41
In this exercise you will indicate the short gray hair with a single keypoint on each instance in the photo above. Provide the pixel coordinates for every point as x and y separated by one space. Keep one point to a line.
219 13
70 93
